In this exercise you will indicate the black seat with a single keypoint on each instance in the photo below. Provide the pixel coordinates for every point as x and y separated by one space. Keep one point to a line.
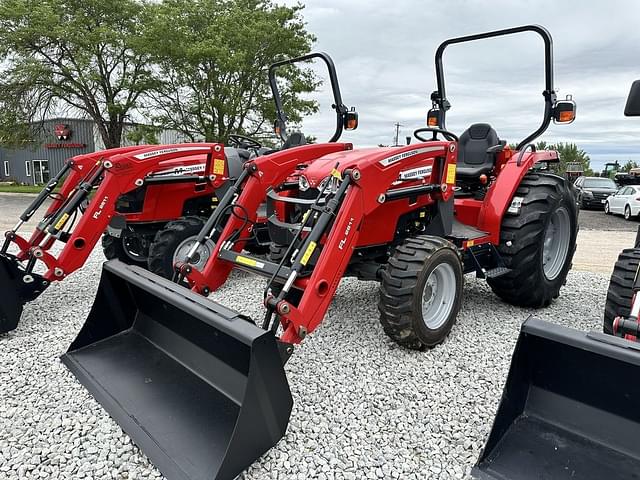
473 159
296 139
236 157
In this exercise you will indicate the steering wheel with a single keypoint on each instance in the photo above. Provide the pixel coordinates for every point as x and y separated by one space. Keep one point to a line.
445 133
242 141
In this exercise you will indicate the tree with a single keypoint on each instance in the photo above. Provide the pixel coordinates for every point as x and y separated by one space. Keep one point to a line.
629 165
145 134
570 153
74 55
212 57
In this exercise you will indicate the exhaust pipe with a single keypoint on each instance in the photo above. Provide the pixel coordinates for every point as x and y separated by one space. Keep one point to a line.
198 387
569 409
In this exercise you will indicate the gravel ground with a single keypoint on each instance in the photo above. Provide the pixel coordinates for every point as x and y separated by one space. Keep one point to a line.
364 408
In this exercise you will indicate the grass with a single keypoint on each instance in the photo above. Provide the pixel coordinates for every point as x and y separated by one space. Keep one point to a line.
20 188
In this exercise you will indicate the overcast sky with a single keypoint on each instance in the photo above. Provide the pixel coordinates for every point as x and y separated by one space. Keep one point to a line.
384 54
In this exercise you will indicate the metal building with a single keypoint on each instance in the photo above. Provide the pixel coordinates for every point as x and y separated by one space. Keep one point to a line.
59 139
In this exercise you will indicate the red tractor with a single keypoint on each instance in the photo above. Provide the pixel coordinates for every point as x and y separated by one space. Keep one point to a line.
622 309
570 404
149 201
202 389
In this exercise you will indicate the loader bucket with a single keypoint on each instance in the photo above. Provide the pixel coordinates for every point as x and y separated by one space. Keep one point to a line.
198 387
569 409
11 302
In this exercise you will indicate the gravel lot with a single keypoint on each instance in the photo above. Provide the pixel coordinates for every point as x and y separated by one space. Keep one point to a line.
364 408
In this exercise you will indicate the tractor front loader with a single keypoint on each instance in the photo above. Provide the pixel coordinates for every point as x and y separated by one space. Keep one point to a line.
570 405
202 389
94 198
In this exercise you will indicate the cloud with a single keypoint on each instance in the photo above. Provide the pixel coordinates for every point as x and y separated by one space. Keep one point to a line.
384 55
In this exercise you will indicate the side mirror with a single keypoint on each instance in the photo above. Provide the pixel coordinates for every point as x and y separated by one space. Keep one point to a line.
632 108
351 119
564 111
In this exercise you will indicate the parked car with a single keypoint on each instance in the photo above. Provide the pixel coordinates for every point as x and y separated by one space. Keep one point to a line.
594 191
625 201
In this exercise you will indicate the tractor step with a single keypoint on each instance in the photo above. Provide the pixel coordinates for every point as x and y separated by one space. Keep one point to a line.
463 232
496 272
254 265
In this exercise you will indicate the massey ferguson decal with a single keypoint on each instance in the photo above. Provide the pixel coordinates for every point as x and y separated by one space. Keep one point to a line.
182 169
410 153
164 151
415 173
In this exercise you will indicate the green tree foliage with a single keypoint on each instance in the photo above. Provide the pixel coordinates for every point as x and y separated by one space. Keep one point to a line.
211 57
570 153
629 165
143 134
74 56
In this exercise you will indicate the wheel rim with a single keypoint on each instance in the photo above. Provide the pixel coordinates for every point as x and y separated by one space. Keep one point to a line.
134 248
627 212
556 243
202 254
438 296
606 208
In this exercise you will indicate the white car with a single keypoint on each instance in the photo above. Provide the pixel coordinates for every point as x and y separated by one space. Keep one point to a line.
626 201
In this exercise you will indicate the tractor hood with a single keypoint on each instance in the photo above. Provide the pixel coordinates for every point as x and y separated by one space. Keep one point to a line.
320 169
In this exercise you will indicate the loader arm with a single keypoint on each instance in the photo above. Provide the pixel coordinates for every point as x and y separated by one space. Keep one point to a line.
122 173
248 193
77 169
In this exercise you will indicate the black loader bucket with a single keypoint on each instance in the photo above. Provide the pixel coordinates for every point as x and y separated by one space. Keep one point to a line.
570 409
16 288
198 387
10 301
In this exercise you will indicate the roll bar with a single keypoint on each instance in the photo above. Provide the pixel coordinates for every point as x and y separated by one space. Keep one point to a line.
342 111
439 97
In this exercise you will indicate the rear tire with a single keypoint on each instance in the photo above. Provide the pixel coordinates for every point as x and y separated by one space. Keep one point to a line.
548 217
113 248
421 267
620 289
627 213
174 235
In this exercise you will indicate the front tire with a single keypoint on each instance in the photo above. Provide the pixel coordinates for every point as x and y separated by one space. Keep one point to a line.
421 292
173 242
121 249
537 244
620 291
607 209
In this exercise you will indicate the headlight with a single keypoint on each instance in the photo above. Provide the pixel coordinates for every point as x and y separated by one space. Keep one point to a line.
588 194
303 183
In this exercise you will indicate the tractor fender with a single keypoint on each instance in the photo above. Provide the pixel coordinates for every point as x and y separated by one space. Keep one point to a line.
500 194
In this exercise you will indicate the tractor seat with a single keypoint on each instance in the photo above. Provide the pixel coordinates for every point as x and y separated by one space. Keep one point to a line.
236 157
296 139
473 159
